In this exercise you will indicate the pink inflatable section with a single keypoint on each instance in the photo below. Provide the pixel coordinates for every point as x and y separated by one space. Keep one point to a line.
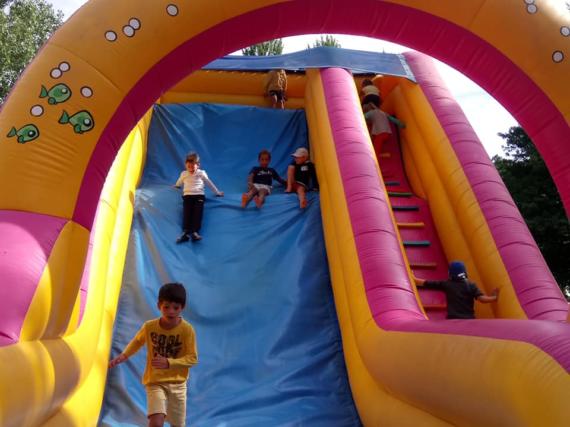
27 239
536 288
388 289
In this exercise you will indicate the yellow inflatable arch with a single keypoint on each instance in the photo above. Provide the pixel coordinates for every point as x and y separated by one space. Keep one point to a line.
66 119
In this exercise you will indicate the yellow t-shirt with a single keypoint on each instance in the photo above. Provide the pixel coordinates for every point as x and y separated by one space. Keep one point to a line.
178 345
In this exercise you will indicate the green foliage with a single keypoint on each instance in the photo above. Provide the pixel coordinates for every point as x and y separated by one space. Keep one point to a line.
325 40
535 194
25 25
271 47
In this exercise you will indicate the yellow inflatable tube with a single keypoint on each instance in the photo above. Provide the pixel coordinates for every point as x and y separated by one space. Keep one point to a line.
39 376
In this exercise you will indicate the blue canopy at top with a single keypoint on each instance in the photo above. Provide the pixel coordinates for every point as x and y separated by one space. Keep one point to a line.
359 62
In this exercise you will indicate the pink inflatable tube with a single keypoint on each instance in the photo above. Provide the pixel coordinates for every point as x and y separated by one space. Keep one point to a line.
388 290
536 289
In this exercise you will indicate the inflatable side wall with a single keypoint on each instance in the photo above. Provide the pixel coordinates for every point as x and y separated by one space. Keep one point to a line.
421 364
477 219
62 380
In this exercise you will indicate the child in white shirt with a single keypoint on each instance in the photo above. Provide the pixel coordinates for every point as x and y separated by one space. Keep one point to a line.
379 125
192 180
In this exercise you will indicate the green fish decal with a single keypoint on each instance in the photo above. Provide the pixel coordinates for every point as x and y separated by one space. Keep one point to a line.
25 134
82 121
57 94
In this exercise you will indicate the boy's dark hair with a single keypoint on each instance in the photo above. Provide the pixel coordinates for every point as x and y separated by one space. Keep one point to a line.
367 82
172 292
262 152
192 158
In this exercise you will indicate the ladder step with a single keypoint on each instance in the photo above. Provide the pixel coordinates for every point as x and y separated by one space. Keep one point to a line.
392 183
410 225
416 243
423 265
435 306
399 194
406 208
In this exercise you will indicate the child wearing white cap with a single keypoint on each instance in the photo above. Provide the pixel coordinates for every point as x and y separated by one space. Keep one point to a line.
301 176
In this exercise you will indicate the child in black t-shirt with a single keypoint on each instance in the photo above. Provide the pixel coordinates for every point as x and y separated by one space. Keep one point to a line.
301 176
260 180
461 294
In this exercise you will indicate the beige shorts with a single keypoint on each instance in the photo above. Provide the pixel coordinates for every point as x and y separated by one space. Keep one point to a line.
263 187
168 399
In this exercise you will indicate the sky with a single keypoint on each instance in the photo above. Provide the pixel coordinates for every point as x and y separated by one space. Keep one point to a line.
486 115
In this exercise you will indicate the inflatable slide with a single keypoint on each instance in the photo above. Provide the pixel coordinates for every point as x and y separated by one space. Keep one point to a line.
74 144
258 285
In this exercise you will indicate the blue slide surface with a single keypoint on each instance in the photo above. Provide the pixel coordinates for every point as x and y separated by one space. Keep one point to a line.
259 294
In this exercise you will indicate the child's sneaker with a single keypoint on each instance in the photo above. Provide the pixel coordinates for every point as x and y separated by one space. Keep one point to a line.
244 200
195 237
183 238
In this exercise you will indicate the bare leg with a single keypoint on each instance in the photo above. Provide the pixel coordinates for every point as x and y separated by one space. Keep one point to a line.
282 104
260 199
273 101
156 420
301 192
290 178
246 197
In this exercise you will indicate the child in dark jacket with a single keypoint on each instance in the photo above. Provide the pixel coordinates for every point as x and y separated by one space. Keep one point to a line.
301 176
260 181
461 294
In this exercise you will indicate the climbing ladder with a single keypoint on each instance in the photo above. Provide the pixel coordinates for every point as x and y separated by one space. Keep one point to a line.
415 225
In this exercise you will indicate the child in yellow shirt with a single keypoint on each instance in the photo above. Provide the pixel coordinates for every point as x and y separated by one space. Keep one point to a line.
171 351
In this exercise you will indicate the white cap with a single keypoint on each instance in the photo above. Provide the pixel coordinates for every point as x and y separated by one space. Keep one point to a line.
301 152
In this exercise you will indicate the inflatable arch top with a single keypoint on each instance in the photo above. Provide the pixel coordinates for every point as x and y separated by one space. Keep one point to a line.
99 73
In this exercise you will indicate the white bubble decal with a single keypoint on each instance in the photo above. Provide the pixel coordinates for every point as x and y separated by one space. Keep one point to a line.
135 23
37 110
565 31
86 91
55 73
128 31
111 36
558 56
64 66
172 10
531 8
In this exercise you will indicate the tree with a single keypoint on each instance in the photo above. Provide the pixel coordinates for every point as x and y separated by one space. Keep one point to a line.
325 40
25 25
531 186
271 47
